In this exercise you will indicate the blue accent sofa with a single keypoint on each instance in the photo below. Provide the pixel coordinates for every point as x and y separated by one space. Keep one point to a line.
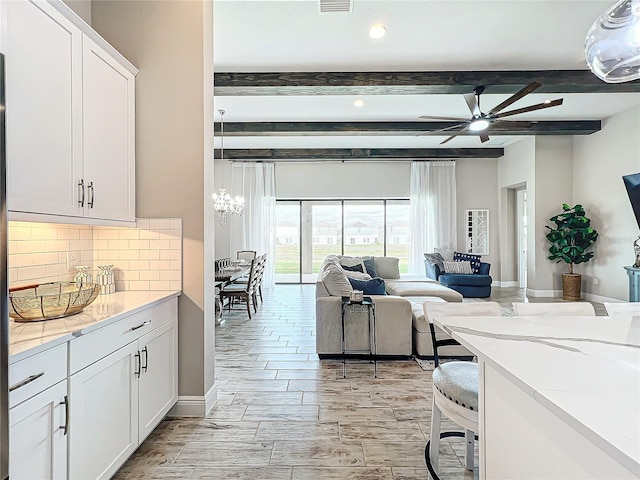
476 285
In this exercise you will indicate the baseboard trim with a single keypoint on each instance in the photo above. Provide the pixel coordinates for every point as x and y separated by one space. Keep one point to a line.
543 293
600 299
195 405
507 283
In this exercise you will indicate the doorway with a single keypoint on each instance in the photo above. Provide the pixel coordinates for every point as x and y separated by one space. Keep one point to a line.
521 230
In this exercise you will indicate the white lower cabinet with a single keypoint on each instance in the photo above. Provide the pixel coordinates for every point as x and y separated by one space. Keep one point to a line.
118 400
104 415
38 436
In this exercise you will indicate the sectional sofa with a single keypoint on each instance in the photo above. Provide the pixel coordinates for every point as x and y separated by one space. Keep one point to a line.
400 324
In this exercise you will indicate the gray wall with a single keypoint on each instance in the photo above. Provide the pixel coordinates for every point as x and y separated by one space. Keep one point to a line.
171 43
600 160
82 8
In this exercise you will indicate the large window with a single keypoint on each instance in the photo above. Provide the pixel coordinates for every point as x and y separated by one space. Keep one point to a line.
347 227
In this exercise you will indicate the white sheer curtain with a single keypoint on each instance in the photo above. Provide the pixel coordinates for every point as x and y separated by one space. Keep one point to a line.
255 229
433 210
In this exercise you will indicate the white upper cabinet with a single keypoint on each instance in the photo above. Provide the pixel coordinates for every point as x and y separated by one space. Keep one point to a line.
108 127
70 118
43 99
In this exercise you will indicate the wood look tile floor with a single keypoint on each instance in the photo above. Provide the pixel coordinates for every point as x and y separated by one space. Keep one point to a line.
283 414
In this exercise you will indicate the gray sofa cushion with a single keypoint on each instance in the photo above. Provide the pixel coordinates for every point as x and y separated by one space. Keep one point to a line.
422 289
335 281
387 267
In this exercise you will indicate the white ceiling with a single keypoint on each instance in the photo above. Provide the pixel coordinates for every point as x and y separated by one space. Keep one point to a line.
422 35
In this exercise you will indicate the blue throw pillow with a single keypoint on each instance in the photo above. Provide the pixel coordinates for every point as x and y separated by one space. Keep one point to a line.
354 268
370 265
473 259
375 286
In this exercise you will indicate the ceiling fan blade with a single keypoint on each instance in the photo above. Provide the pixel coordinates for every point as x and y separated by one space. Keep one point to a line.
472 103
531 108
515 97
454 135
484 137
453 119
430 132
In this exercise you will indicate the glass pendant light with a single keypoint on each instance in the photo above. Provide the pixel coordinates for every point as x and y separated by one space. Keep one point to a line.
612 47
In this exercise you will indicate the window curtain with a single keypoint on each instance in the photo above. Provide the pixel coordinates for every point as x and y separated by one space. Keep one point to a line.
433 210
255 229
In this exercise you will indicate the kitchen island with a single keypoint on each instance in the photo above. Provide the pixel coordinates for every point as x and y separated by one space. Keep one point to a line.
559 397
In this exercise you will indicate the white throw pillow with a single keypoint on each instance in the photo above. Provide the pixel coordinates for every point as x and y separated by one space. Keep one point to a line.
447 253
458 267
335 281
352 262
387 267
357 275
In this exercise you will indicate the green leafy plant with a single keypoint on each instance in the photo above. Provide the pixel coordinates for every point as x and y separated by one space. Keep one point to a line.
572 236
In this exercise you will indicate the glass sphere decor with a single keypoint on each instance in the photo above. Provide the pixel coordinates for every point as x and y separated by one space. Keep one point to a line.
612 46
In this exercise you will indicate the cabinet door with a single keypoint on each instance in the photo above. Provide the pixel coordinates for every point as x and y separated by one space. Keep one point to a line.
43 100
104 414
159 378
109 132
37 436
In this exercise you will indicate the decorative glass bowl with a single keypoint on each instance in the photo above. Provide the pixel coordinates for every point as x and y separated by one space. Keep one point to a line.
47 301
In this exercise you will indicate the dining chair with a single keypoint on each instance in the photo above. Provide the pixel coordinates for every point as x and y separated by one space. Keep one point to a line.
244 291
260 266
622 308
246 255
455 385
553 308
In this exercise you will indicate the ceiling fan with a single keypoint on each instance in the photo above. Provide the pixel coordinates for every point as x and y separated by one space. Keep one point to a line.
480 121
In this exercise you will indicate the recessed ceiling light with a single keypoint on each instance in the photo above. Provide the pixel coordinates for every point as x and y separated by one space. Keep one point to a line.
358 103
377 30
547 101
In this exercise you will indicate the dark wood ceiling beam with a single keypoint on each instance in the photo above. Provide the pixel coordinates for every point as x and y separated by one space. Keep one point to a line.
298 129
333 154
411 83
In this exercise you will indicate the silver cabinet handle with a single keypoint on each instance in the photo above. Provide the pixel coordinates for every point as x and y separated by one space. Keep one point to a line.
65 427
146 359
141 325
81 186
26 381
92 197
137 372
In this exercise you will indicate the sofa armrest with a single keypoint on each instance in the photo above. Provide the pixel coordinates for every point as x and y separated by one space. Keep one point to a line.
484 268
432 270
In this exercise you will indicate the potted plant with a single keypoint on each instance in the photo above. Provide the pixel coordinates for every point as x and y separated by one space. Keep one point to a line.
571 238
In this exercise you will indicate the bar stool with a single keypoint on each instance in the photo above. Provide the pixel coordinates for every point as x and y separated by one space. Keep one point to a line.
622 308
455 386
554 308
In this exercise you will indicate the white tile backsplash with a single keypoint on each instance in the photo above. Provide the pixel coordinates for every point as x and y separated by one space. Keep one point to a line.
147 257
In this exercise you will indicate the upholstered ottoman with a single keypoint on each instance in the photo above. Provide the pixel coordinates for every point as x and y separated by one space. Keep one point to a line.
422 343
422 289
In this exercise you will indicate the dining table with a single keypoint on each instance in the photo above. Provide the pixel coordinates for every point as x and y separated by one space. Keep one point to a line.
558 396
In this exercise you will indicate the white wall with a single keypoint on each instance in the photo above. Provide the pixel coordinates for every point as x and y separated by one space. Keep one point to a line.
350 179
516 169
600 160
477 187
554 186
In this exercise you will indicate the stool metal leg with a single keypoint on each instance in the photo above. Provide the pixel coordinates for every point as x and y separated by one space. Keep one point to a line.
469 454
434 449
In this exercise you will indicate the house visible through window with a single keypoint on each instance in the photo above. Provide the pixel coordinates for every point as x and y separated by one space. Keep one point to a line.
309 230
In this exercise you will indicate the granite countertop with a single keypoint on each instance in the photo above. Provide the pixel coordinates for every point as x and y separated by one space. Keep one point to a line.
586 370
29 338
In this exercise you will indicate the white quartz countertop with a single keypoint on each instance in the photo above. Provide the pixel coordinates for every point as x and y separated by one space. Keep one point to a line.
586 370
29 338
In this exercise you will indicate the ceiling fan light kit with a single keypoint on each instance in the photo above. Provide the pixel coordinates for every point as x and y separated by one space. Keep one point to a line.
612 46
480 121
